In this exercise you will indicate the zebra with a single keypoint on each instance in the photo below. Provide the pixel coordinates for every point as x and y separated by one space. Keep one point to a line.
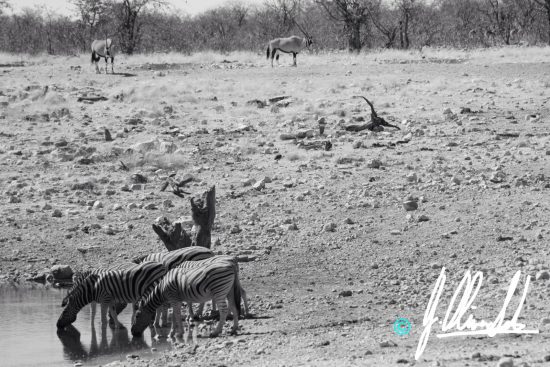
292 44
103 48
109 288
171 260
215 259
218 281
79 277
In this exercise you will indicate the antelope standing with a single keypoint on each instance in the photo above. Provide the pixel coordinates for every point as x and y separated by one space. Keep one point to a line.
103 48
292 44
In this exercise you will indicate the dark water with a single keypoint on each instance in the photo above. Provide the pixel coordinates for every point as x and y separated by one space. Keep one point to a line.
29 336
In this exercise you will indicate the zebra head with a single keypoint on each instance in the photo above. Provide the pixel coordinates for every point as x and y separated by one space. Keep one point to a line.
142 319
80 296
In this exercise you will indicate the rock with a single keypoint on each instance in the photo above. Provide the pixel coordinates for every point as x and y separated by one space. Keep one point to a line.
235 229
47 207
345 294
505 362
108 136
387 344
423 218
375 163
349 221
97 205
62 272
167 203
357 144
167 147
410 204
329 227
412 177
305 134
57 213
542 275
150 206
259 185
248 182
14 199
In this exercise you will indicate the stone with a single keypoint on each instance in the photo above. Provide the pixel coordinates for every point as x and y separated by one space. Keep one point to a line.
329 227
375 163
505 362
150 206
410 205
57 213
542 275
61 272
345 294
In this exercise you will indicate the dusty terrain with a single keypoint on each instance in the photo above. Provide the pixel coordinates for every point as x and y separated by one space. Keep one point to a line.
334 256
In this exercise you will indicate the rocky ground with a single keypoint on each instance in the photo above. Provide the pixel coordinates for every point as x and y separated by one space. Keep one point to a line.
333 258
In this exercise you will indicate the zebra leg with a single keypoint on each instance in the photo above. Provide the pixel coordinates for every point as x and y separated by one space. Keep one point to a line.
112 311
278 63
104 308
106 65
164 315
97 71
112 65
245 301
222 306
177 325
93 312
294 59
234 311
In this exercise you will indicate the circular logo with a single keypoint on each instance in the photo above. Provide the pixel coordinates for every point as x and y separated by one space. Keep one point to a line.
402 326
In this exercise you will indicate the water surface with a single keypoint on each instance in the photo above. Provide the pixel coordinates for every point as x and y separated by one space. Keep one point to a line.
29 336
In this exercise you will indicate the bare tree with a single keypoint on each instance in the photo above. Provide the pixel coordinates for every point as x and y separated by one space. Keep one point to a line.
353 14
90 12
545 4
285 12
128 13
383 19
4 4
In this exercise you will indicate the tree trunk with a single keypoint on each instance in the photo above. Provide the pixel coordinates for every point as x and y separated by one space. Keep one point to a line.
204 212
203 209
172 234
354 40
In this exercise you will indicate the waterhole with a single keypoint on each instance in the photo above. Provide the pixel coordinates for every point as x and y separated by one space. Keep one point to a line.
29 336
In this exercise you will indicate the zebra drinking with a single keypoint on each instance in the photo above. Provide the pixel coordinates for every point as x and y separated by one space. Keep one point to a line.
81 276
171 260
110 288
217 281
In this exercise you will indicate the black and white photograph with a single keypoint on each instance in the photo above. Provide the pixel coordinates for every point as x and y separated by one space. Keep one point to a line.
279 183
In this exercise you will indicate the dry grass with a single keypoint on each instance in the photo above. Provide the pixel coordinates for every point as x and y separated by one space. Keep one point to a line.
508 54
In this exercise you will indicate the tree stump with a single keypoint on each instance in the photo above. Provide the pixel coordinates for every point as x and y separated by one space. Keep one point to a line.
172 234
203 209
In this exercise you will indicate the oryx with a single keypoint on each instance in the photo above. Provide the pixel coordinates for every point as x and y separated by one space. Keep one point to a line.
288 45
103 48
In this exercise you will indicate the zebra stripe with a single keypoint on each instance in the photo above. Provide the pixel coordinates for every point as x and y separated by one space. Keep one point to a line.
217 281
215 259
171 260
109 288
80 276
174 258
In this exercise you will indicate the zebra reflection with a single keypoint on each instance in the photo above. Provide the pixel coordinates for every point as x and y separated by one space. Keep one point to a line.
120 344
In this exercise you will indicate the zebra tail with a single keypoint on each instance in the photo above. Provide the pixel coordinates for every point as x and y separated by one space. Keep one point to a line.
237 293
